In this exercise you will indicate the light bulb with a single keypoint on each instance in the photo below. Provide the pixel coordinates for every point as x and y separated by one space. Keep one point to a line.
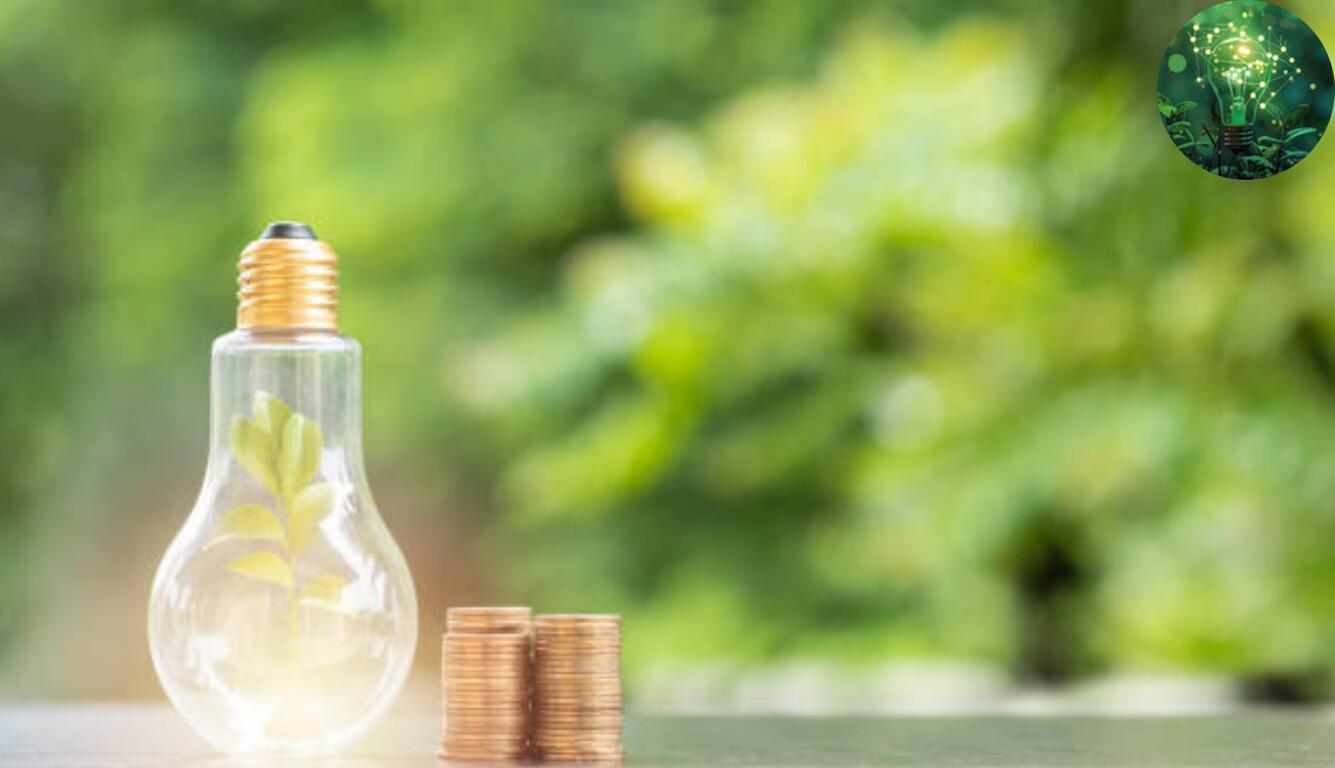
282 618
1241 67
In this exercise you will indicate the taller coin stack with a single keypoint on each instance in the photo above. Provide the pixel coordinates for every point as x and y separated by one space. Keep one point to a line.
577 689
486 664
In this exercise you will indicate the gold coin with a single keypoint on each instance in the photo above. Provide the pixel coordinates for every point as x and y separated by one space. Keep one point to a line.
578 754
563 620
493 684
499 639
547 729
609 740
488 758
576 655
589 634
584 663
575 685
556 673
485 688
499 714
467 658
513 741
562 697
565 698
489 619
577 658
548 725
609 744
517 710
549 710
489 726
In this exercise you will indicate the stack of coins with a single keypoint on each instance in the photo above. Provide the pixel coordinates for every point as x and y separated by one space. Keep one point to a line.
486 666
577 689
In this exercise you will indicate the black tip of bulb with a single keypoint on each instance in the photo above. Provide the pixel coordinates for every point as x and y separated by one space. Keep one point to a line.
288 230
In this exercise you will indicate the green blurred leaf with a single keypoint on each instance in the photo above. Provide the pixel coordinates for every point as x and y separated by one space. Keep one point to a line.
325 592
309 507
300 454
271 415
263 566
252 521
253 449
1298 133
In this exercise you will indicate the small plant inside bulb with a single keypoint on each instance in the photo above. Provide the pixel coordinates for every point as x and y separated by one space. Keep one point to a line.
281 450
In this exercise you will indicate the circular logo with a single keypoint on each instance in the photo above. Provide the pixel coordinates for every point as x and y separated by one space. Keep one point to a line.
1245 90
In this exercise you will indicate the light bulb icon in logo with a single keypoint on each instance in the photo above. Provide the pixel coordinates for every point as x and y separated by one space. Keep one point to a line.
1247 67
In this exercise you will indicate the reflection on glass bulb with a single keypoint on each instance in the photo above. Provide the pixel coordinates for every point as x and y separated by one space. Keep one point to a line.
283 617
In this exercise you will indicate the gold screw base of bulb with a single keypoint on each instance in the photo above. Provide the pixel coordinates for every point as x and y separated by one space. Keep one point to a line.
1239 138
288 283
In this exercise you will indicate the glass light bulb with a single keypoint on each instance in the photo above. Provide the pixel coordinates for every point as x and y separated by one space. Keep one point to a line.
282 618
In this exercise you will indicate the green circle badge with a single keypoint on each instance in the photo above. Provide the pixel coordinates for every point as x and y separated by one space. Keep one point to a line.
1245 90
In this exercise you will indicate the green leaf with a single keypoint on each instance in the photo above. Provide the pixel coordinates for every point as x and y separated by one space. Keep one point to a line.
1180 125
1295 154
325 591
1168 110
254 451
252 521
263 566
1269 140
300 455
1298 133
1184 107
309 507
1258 160
271 414
1298 114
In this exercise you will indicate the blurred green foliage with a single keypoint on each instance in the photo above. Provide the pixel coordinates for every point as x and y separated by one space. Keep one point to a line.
783 328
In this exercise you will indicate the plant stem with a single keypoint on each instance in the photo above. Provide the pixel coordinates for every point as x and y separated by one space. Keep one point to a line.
284 510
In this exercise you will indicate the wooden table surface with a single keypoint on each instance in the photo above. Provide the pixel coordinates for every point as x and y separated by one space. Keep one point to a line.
146 736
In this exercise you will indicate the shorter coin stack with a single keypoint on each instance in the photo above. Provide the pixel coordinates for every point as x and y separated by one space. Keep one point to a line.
577 689
487 682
